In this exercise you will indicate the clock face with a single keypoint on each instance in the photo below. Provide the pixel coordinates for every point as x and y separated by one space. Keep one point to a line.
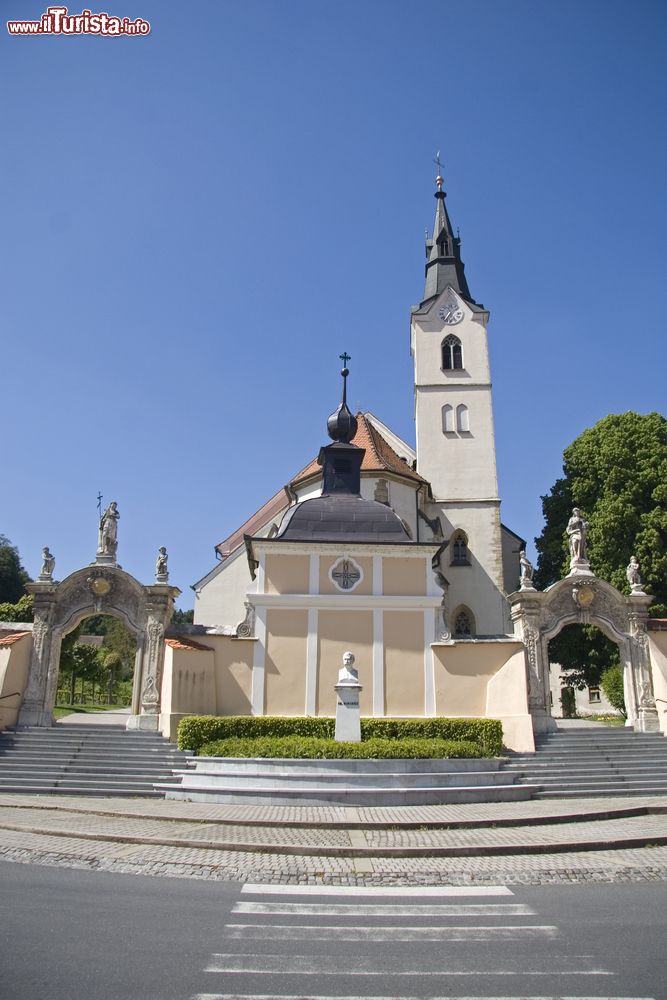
450 313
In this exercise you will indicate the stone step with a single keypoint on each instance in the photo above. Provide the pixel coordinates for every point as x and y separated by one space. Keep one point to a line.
591 768
92 791
377 796
138 771
317 782
569 793
334 768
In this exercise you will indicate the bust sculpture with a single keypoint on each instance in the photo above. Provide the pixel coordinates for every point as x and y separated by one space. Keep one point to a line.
48 564
347 674
577 532
108 537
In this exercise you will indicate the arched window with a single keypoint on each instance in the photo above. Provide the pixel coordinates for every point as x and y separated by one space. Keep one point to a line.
452 354
458 548
448 419
464 624
462 419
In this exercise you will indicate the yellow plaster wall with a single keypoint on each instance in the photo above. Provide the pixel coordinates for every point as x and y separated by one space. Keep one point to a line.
403 576
188 686
658 653
285 574
462 672
286 641
404 662
327 586
14 663
337 632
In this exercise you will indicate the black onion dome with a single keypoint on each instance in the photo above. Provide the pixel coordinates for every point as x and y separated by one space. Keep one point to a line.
342 424
341 517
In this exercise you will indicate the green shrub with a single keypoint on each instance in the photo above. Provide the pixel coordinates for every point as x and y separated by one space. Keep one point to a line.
314 747
611 683
196 730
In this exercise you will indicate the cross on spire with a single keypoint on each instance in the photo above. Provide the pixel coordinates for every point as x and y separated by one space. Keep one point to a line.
439 165
345 357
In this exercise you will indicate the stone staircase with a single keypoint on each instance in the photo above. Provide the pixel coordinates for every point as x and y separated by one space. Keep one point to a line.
86 760
578 763
344 782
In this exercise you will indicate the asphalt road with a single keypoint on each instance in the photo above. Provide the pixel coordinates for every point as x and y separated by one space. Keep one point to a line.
74 934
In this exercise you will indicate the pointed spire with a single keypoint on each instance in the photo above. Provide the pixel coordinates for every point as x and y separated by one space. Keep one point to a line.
443 251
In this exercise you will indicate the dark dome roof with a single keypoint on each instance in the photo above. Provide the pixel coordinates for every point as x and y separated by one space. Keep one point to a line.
341 517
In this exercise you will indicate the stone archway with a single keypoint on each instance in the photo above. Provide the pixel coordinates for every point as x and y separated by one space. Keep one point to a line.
581 598
99 589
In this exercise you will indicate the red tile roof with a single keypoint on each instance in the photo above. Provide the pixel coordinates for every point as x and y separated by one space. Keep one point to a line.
8 638
270 510
185 642
379 457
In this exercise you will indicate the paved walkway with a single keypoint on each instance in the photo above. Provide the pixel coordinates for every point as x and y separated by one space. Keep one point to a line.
105 717
539 842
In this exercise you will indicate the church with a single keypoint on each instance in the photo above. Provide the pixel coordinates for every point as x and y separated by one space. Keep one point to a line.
395 553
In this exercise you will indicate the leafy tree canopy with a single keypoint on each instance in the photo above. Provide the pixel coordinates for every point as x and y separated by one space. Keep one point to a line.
13 576
182 617
616 472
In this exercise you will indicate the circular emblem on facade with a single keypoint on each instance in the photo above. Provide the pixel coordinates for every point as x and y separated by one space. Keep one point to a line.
345 574
99 586
584 596
450 313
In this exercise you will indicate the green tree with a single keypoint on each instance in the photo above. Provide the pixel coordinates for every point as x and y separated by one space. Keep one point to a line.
616 472
13 576
182 617
22 611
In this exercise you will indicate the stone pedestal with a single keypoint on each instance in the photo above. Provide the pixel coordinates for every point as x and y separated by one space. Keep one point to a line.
580 567
145 723
647 720
348 717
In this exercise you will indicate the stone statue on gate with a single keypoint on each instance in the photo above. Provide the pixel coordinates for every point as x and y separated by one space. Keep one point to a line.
633 577
48 564
108 535
161 570
577 533
526 578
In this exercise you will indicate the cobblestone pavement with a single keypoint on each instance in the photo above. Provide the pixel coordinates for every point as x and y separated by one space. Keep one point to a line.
518 843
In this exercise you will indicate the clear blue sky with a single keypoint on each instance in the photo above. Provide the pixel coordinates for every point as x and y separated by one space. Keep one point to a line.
195 224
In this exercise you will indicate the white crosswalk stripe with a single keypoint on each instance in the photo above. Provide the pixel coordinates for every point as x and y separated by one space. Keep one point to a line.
376 890
279 940
387 909
270 932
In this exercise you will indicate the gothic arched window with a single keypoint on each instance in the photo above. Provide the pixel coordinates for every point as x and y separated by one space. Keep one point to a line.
448 419
462 419
464 624
459 549
452 353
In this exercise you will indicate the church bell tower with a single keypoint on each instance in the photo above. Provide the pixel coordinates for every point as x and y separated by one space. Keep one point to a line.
454 433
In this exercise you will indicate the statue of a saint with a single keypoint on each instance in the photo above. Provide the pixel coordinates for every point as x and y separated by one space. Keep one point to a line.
632 574
108 540
48 564
347 674
161 571
526 582
577 532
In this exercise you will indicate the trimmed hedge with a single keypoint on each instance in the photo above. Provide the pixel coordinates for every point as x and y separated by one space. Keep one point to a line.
196 730
314 747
